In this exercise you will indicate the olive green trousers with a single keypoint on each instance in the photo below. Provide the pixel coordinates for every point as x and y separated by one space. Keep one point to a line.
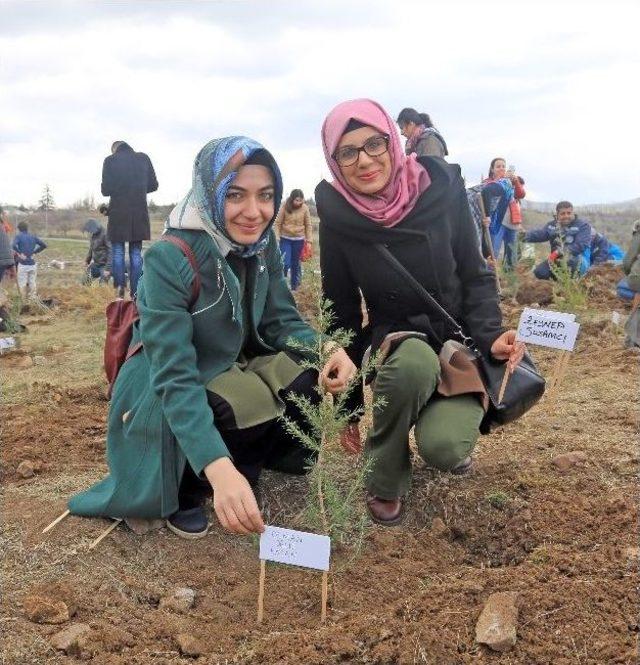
446 428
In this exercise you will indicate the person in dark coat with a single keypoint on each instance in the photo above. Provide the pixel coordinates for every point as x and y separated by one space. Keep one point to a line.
422 137
98 259
200 405
382 202
127 178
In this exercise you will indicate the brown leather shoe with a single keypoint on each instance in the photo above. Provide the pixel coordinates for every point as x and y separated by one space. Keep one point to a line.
387 512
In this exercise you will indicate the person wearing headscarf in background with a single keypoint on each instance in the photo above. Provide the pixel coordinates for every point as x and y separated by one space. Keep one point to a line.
422 137
127 178
379 202
293 228
98 260
501 194
200 406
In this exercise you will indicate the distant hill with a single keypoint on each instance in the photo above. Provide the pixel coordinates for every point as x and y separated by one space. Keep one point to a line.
618 207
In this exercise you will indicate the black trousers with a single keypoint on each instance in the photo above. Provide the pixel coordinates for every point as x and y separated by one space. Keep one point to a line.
267 445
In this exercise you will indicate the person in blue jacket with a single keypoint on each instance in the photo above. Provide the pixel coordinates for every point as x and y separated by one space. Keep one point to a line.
26 246
569 237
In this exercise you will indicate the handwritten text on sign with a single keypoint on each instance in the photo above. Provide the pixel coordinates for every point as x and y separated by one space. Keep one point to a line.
297 548
556 330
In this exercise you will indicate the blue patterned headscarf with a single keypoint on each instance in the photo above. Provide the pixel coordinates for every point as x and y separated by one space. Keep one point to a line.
214 169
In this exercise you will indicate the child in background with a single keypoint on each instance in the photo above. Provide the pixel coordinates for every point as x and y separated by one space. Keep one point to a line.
26 246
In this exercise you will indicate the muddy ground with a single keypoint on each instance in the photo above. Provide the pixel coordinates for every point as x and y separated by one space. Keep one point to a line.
565 541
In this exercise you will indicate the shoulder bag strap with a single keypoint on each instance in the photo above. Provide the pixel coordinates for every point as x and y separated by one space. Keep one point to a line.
426 296
188 252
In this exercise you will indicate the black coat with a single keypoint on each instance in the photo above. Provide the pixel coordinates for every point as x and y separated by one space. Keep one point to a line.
127 177
436 242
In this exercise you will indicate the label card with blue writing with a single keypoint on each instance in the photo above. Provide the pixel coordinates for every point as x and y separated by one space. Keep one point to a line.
297 548
556 330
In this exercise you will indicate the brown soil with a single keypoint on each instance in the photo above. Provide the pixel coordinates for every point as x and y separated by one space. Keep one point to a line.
515 524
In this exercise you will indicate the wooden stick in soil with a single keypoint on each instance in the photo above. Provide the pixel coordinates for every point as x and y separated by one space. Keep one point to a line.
487 238
555 376
325 589
56 521
503 385
263 574
564 365
104 534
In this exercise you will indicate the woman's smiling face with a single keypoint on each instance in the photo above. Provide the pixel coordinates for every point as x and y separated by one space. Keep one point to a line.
367 175
249 204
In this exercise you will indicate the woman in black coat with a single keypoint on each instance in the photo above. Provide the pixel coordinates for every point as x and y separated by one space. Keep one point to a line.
127 177
382 202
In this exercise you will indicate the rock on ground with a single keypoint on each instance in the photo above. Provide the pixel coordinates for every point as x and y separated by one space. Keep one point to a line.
189 645
439 529
25 363
497 623
566 461
141 526
67 640
51 603
180 600
26 469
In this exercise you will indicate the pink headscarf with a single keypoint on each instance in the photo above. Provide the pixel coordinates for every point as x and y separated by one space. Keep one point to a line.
408 178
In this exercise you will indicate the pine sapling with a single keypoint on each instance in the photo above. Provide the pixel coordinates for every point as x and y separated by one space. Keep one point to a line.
335 503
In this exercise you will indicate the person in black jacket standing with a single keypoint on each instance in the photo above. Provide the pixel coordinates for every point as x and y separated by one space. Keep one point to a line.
127 178
388 219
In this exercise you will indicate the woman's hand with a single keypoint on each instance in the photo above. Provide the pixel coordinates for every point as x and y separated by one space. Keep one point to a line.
506 348
350 439
486 222
233 498
337 372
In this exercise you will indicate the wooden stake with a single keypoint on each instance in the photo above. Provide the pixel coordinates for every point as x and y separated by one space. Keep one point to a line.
558 372
565 364
263 573
325 588
105 533
503 385
56 521
487 238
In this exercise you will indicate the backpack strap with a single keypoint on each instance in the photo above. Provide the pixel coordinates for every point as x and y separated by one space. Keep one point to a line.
188 252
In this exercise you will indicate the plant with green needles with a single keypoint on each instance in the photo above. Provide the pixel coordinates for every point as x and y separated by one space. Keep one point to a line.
335 503
498 499
569 291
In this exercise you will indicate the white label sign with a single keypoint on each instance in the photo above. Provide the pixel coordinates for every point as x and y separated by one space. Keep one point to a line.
7 343
555 330
297 548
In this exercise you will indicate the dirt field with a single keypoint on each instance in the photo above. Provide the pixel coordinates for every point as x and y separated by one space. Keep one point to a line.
566 542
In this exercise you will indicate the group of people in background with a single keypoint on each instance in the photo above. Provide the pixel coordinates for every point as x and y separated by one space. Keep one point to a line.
17 256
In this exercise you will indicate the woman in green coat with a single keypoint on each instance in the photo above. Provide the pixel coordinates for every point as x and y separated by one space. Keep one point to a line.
200 406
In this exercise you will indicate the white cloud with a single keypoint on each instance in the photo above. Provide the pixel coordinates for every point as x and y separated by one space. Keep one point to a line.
549 86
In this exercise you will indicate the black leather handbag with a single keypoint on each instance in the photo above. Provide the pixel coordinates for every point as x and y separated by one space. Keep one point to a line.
525 386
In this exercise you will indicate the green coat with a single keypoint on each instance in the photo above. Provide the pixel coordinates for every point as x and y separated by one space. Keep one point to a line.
159 416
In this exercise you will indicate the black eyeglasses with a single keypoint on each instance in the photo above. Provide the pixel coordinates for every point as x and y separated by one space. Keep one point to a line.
374 147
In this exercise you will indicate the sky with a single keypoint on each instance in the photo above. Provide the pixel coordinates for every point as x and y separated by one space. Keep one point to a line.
550 86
